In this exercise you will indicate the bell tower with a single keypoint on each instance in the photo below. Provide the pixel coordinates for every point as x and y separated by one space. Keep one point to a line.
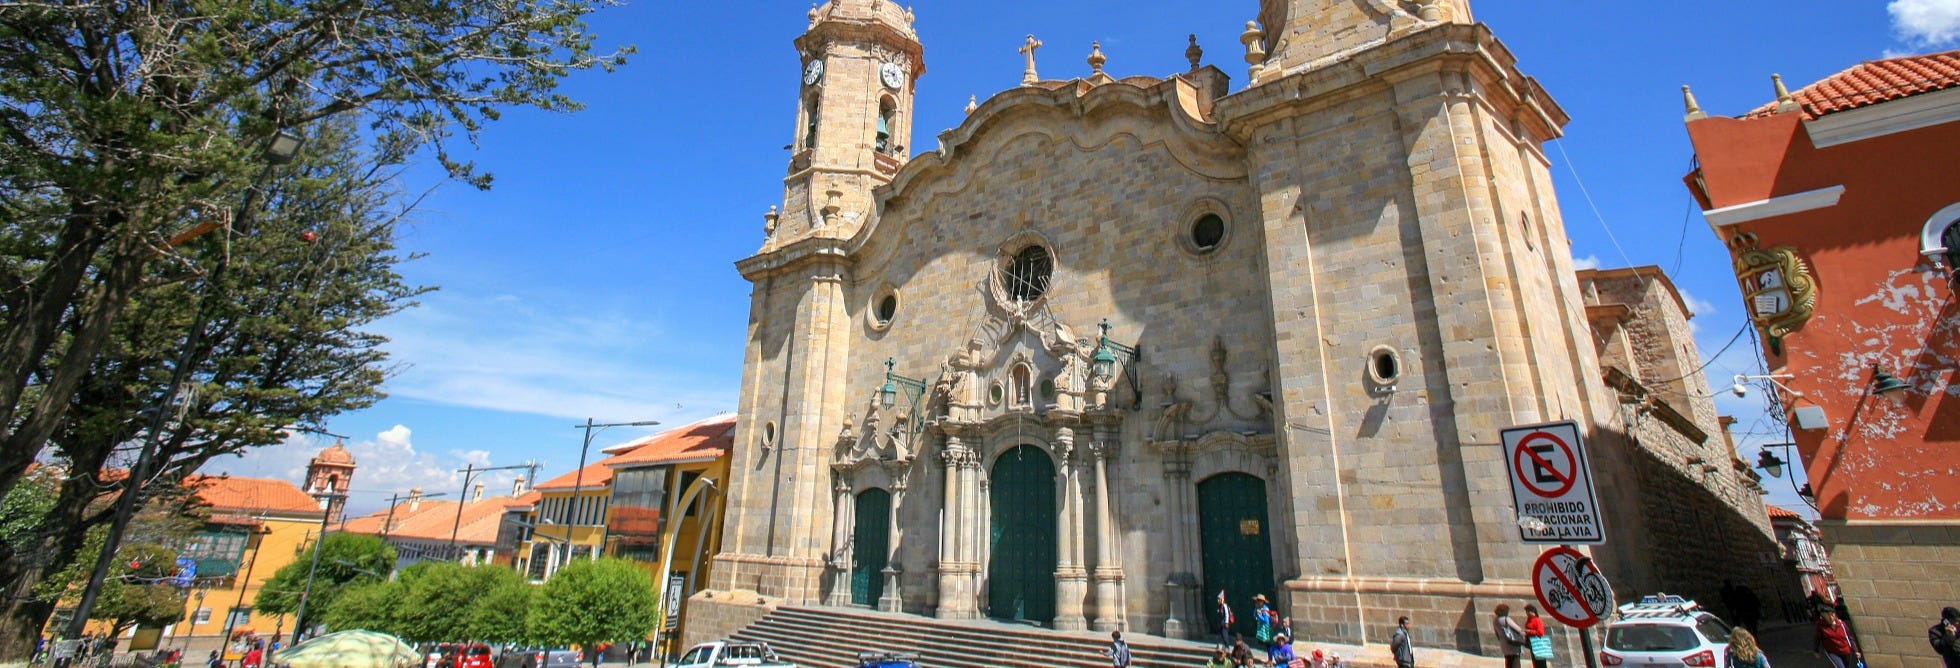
328 477
860 61
1293 34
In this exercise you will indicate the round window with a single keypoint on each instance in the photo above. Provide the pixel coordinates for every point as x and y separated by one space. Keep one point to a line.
1029 273
887 308
1384 366
1208 232
995 393
768 434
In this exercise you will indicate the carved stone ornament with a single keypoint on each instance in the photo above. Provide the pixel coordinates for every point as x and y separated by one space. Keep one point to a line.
1776 286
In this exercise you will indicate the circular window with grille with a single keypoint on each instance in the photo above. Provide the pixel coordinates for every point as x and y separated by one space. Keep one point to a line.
1207 227
1029 273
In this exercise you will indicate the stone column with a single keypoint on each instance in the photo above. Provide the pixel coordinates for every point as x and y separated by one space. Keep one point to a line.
978 512
954 603
1071 578
840 542
1108 577
891 601
1182 587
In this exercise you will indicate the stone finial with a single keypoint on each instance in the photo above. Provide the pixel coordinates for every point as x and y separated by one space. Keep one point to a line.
769 222
1096 58
1694 108
1430 11
813 15
1255 48
910 18
1028 78
1194 53
833 203
1784 102
972 103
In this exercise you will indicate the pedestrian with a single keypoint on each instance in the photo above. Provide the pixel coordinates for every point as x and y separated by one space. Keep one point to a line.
1262 615
254 657
1281 652
1945 636
1286 627
1834 641
1399 644
1118 652
1510 636
1221 658
1225 620
215 661
1743 652
1537 637
1317 660
1241 654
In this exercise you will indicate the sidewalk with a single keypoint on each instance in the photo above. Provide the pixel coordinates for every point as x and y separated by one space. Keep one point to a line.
1788 646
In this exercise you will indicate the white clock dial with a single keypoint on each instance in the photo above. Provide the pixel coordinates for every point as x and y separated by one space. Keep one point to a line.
813 72
893 75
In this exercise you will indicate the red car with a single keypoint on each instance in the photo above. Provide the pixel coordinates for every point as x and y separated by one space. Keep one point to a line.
476 655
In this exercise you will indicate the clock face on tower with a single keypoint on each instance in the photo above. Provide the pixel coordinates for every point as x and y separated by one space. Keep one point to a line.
813 72
892 74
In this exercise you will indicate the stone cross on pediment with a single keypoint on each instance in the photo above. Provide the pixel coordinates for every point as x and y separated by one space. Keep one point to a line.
1029 78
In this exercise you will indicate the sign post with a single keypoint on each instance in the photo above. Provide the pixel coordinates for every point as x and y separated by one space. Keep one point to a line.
1573 591
1551 484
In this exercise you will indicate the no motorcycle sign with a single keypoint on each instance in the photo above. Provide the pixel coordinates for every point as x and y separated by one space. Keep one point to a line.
1551 484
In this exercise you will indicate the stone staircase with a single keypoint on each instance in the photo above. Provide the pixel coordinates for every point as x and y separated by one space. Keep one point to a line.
818 637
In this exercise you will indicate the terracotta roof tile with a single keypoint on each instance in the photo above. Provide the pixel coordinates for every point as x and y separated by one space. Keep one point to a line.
597 474
706 439
1873 82
1776 512
434 520
247 495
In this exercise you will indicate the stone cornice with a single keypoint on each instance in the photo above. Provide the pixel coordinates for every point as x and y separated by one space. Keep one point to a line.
792 255
1463 47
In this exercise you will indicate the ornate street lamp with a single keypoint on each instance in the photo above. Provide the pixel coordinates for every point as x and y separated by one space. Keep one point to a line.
915 390
1102 367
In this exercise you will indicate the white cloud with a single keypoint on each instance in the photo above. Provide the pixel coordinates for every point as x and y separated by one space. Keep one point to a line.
1697 305
1584 263
1927 23
563 360
386 464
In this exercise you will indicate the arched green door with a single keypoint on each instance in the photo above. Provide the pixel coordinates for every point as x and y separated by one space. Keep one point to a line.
1021 566
870 545
1237 545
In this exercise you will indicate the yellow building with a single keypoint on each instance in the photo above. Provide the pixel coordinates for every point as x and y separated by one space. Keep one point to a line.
257 526
624 502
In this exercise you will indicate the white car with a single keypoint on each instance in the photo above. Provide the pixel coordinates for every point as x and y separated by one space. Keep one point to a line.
755 654
1663 631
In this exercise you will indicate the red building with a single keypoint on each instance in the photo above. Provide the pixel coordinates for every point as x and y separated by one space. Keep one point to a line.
1838 203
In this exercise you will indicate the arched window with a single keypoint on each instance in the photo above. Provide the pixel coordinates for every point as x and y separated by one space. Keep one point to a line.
810 122
886 115
1023 383
1940 238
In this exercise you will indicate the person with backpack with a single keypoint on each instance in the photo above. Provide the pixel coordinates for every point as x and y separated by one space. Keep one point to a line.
1834 642
1743 651
1119 651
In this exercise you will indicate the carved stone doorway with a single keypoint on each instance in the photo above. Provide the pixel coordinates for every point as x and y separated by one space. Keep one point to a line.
870 546
1021 561
1238 546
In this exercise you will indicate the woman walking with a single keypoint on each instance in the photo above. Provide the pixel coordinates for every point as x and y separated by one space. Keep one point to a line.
1743 652
1508 633
1535 635
1834 641
1263 615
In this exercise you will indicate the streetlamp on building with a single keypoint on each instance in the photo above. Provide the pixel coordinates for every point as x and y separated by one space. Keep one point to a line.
591 429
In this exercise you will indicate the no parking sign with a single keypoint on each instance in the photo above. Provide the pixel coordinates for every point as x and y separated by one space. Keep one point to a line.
1551 484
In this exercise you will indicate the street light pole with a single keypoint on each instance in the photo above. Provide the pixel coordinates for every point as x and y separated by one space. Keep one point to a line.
468 472
299 618
279 151
578 479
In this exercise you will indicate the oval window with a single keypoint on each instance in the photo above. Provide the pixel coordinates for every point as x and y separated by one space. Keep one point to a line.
1384 366
887 308
1029 273
1208 232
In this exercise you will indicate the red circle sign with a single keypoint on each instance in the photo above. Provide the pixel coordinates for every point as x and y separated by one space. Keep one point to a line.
1570 587
1527 473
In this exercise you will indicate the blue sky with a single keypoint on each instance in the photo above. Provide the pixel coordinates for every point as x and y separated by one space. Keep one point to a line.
596 279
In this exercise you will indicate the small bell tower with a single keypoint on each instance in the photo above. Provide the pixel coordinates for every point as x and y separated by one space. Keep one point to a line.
860 62
329 476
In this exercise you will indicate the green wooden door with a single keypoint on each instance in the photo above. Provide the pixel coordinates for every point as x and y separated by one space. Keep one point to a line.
870 545
1021 564
1238 546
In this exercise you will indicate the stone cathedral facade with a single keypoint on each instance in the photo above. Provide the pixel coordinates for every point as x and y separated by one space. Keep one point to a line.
1120 344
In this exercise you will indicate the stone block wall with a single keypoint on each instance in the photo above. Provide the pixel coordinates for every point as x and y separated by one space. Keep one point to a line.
1895 578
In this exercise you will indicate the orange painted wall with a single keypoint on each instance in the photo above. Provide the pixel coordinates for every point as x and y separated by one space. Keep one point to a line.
1878 303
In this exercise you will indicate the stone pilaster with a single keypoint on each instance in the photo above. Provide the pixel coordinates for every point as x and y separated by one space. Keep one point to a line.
1071 577
1108 576
840 543
955 597
891 600
1182 585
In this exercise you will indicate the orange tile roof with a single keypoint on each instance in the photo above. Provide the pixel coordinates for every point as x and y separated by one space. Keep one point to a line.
434 520
1873 82
706 439
1776 512
247 495
597 474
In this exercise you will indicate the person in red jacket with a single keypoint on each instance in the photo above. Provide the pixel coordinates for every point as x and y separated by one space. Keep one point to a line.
253 657
1535 638
1834 641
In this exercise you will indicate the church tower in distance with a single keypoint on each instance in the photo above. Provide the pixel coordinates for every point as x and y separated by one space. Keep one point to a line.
854 117
328 477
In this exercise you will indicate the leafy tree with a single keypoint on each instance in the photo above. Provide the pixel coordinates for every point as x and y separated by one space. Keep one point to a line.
346 560
138 589
125 125
283 343
23 508
445 601
591 602
502 614
368 606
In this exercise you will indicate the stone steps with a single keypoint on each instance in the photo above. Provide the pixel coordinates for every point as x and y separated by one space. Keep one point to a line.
832 638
